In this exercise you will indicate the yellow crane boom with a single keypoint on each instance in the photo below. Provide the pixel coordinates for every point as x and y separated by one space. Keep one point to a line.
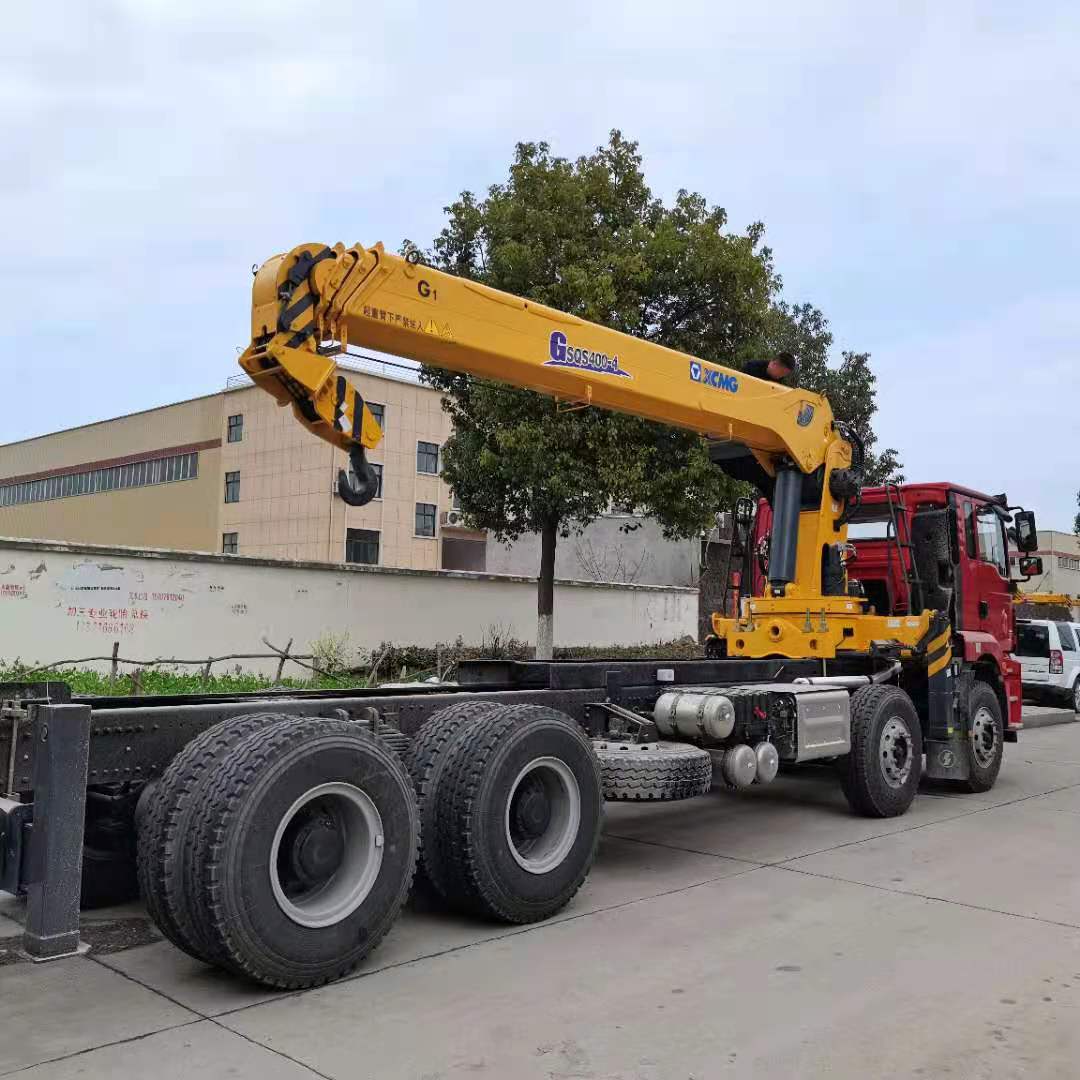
309 304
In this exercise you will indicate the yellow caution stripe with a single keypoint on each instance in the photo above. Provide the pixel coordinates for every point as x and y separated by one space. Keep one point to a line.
938 660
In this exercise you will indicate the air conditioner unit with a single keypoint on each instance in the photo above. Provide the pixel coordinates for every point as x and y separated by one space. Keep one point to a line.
452 519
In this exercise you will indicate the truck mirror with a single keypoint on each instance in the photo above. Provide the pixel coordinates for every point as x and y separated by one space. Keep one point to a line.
1027 536
1030 566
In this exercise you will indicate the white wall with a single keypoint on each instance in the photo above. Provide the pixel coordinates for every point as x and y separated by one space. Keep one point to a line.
65 602
605 552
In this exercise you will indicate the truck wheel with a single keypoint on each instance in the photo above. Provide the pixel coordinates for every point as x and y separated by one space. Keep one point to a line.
647 772
881 774
311 833
1076 695
425 760
518 814
985 741
166 833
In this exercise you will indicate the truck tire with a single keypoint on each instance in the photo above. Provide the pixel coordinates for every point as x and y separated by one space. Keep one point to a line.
985 743
652 772
518 815
425 760
311 835
166 832
881 774
108 859
108 878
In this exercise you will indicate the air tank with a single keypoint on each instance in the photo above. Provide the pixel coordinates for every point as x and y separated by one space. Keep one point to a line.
694 714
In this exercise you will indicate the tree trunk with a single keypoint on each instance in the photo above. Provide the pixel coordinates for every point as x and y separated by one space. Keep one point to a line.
545 592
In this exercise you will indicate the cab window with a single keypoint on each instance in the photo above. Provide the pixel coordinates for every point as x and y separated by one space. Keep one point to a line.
992 540
969 530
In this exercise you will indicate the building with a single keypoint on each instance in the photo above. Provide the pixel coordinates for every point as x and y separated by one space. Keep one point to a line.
1061 564
232 472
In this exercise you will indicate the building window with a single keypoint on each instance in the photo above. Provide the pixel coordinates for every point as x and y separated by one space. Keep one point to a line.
362 546
1068 562
236 428
232 486
378 411
230 543
427 458
162 470
425 519
462 554
456 500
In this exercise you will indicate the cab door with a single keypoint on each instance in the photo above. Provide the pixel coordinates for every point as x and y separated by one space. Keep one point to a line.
993 599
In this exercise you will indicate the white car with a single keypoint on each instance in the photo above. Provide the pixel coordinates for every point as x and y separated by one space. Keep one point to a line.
1049 653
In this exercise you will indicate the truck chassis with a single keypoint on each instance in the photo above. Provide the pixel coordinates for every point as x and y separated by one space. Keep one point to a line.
161 767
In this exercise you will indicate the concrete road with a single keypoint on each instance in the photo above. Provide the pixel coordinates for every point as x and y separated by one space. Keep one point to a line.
765 934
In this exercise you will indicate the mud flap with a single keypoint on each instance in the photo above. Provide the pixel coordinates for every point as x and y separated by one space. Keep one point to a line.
946 759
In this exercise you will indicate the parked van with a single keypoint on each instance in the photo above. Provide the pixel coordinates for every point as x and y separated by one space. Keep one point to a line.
1049 655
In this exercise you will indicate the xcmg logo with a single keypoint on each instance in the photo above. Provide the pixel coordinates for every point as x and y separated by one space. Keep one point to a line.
707 376
563 354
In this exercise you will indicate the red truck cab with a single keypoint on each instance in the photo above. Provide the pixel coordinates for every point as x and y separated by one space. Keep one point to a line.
939 546
946 547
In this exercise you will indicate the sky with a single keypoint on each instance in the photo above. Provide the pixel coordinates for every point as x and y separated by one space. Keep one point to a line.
916 166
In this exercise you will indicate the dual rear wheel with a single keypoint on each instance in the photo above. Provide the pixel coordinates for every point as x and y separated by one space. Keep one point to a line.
282 848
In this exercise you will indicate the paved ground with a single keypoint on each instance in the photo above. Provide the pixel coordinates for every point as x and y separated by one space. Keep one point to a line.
767 934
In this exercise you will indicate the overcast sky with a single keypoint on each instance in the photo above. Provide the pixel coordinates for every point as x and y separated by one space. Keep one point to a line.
917 170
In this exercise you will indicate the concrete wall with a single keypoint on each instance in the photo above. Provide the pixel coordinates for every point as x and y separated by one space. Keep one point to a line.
604 552
66 602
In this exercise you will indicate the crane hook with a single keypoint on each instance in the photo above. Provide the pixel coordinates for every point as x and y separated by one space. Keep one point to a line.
360 485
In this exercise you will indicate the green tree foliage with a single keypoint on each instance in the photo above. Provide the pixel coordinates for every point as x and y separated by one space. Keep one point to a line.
589 237
851 388
1076 520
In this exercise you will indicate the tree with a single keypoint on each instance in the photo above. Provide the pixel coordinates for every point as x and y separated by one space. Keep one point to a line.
589 237
851 388
1076 520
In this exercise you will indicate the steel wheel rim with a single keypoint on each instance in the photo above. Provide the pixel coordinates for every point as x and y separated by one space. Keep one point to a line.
897 752
543 815
325 901
983 738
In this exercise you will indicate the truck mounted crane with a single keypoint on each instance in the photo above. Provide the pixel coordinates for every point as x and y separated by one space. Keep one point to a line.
278 837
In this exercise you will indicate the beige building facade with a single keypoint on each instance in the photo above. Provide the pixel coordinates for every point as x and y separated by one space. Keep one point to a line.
232 472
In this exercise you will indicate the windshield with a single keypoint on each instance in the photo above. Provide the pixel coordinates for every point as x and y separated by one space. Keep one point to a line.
870 523
1032 640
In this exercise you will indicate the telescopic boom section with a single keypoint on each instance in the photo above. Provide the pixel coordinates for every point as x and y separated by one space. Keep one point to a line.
317 295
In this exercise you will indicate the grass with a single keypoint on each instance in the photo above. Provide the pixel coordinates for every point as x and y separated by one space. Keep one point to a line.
394 664
84 682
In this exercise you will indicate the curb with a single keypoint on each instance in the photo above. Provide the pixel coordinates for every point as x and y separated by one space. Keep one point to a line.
1050 719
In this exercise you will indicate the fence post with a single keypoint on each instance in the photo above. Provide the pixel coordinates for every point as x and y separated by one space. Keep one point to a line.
281 662
115 654
61 736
